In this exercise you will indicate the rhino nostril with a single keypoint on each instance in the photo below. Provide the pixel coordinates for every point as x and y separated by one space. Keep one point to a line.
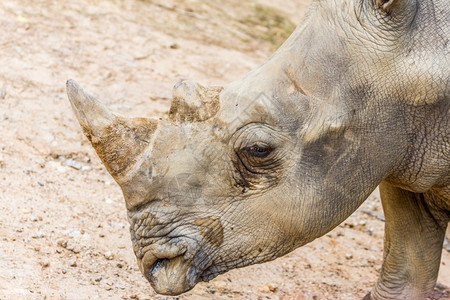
157 264
150 172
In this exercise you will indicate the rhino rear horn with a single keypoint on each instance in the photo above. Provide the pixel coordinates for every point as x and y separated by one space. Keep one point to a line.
193 102
118 141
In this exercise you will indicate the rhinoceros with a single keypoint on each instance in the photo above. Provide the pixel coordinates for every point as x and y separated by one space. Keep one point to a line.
357 97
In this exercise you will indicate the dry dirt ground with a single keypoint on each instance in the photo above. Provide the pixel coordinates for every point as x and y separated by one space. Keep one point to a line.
63 225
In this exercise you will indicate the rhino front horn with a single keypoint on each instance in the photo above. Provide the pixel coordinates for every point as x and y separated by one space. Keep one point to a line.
118 141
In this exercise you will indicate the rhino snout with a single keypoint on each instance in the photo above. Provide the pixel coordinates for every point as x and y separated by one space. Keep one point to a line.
170 268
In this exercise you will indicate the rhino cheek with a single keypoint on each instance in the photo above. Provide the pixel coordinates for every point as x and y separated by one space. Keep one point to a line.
211 230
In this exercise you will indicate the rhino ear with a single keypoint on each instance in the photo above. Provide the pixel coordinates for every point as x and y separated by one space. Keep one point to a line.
118 141
389 6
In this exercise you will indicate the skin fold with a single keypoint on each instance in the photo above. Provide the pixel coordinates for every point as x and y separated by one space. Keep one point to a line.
358 96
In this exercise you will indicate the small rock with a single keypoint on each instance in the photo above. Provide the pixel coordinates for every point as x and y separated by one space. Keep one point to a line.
37 248
348 256
72 163
64 271
73 263
119 265
98 279
62 243
174 46
108 255
73 248
86 168
45 264
34 219
267 288
40 183
38 235
3 92
302 296
140 296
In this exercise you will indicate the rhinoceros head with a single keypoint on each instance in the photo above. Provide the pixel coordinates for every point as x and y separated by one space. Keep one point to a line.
247 173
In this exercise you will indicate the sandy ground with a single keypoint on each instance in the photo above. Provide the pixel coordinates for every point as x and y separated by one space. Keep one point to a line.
63 226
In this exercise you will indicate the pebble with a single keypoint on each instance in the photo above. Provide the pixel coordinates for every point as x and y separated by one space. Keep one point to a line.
108 255
70 162
73 263
45 264
73 248
267 288
86 168
220 285
38 235
348 256
3 92
140 296
62 243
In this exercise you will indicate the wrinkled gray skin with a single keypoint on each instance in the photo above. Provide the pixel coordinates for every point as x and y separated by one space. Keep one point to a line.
357 97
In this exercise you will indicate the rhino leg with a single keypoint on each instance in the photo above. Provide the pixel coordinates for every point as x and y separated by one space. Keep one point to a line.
414 234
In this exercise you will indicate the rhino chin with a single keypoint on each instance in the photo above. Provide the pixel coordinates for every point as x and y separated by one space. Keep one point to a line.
171 276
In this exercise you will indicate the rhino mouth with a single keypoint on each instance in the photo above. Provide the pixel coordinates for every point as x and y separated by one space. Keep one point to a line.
171 275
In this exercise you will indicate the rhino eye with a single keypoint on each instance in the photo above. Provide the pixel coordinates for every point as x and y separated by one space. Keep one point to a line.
260 151
259 158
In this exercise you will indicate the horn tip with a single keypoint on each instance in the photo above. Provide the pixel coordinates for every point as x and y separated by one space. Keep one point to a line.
71 85
72 89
